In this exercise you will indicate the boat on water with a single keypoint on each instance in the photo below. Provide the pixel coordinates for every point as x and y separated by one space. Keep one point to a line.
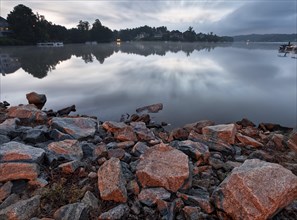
286 48
50 44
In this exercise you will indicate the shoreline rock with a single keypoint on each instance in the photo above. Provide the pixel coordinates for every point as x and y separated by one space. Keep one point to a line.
135 169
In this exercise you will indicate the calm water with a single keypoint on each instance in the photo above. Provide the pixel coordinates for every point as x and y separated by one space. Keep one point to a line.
220 82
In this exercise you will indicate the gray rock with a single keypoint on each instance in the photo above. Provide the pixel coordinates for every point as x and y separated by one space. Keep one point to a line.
5 190
139 148
11 199
198 197
24 209
68 149
90 200
59 136
75 127
150 196
154 108
35 136
15 151
143 133
8 125
75 211
193 149
4 139
116 213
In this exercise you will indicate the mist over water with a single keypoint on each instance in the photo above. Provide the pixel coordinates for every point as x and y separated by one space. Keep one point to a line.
220 82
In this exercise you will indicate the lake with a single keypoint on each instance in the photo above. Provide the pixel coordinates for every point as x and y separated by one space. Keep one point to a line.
220 82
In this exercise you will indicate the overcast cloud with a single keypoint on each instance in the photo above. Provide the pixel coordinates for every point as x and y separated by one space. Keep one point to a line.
227 17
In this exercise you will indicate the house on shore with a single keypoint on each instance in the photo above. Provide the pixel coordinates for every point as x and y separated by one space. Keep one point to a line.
4 27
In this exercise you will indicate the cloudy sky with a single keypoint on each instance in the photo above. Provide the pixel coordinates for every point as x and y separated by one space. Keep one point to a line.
223 17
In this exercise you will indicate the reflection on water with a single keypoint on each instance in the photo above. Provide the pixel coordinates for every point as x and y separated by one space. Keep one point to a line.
220 82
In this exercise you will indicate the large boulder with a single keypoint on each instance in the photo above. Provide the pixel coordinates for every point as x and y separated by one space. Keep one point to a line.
163 166
28 113
111 182
15 151
37 99
224 132
18 170
68 149
75 127
24 209
256 190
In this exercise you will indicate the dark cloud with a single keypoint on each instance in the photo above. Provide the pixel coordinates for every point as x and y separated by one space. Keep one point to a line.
260 17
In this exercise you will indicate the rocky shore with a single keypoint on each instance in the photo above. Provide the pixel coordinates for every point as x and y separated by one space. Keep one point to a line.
56 166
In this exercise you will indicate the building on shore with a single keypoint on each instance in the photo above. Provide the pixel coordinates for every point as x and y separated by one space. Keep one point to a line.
4 27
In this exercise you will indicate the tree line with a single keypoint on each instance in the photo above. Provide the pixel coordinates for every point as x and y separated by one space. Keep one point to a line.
30 28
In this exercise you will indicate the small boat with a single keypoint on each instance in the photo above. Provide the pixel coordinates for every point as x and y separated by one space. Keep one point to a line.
50 44
288 48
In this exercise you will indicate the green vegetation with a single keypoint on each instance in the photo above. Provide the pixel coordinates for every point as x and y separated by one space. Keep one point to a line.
30 28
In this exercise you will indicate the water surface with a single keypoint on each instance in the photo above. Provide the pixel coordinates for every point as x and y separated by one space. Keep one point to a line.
220 82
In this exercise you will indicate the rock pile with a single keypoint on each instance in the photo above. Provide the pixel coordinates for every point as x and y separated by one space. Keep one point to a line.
55 166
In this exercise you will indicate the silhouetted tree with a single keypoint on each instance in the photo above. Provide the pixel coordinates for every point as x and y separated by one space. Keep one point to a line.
23 23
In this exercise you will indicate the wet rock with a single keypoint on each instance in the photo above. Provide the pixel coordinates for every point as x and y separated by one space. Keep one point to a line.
70 167
10 200
143 133
278 142
66 111
191 213
273 127
246 123
198 197
5 190
8 125
4 139
115 213
117 153
224 132
163 166
139 148
111 182
151 196
90 200
197 126
37 99
75 127
28 113
17 171
292 142
15 151
179 134
35 136
68 149
250 192
24 209
58 135
245 140
112 126
75 211
125 134
193 149
133 187
150 108
100 150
